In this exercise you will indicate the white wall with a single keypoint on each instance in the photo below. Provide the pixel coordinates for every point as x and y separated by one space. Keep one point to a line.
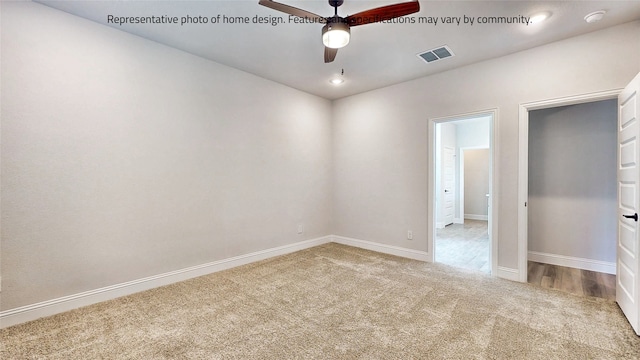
381 145
572 181
123 158
474 133
476 183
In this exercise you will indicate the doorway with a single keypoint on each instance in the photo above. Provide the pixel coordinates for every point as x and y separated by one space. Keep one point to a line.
572 198
459 237
524 254
627 182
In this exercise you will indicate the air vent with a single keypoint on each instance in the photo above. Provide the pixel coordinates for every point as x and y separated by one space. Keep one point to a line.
436 54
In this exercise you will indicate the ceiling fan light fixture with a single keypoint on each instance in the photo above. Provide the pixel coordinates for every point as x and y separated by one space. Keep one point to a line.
336 35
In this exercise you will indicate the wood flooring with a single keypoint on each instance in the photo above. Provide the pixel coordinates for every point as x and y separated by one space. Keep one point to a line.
467 246
575 281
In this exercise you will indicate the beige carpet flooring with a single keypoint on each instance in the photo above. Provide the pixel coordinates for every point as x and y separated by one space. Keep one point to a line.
334 302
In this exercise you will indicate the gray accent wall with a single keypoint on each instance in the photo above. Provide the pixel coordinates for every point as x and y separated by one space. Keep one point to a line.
572 181
474 133
476 181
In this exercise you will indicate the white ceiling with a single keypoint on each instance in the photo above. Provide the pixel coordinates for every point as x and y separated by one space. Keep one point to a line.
378 55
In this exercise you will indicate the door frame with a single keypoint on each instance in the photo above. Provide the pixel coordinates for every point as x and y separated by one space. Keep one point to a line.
523 162
493 181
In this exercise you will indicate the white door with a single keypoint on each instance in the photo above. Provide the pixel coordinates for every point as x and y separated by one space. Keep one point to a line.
628 248
449 181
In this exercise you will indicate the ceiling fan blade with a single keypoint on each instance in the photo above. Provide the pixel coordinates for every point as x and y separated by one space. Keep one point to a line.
292 11
383 13
329 54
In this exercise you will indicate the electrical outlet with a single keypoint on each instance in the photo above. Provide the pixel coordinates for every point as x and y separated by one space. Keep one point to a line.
300 229
409 235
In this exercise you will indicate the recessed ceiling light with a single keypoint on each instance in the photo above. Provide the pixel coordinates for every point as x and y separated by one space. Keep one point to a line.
336 81
594 16
539 17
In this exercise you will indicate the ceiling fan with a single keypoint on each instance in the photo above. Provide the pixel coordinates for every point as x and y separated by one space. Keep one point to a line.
336 31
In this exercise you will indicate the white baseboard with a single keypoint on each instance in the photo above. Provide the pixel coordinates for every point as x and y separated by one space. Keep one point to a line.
508 273
382 248
573 262
458 221
476 217
55 306
51 307
439 225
